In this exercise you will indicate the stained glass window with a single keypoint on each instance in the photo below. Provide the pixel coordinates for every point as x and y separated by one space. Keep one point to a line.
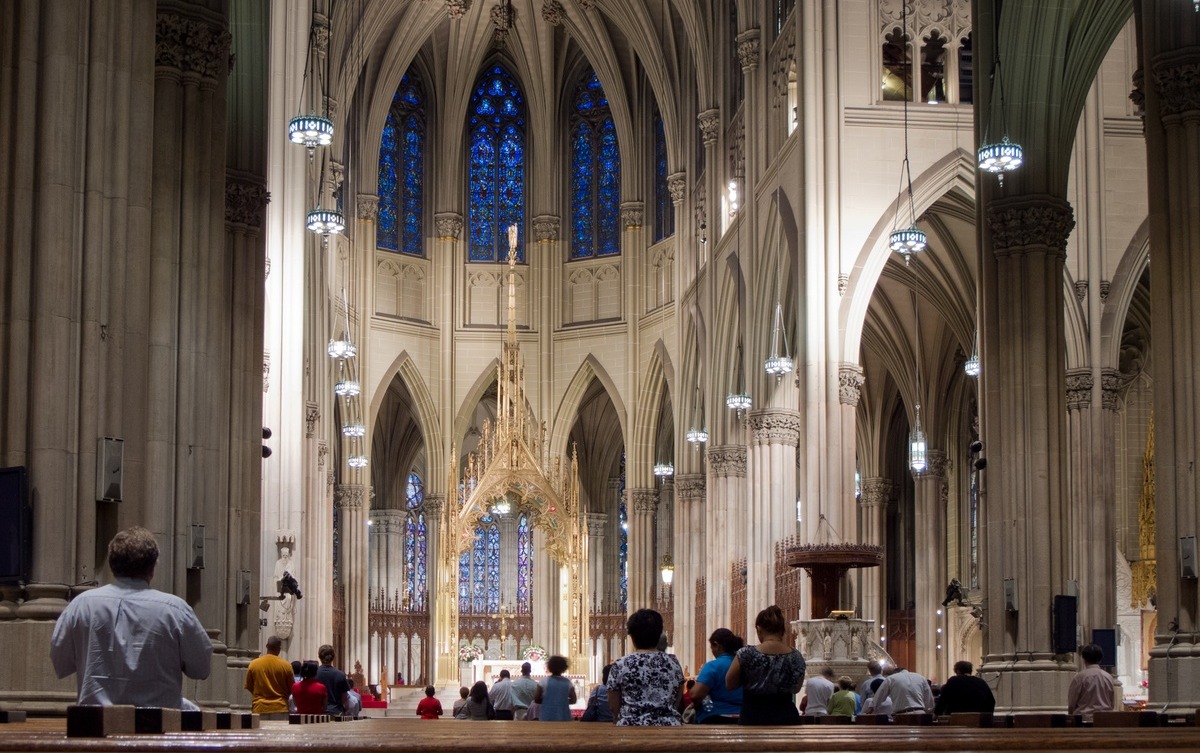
416 543
400 224
524 565
595 174
493 568
664 207
623 538
479 570
495 166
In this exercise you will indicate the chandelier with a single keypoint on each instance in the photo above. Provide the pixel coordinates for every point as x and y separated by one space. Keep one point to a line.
779 364
326 222
909 240
357 461
354 429
663 470
313 129
740 400
1003 156
347 388
971 365
343 349
918 447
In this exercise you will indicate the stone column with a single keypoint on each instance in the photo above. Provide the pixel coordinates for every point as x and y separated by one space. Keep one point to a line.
1084 500
876 496
664 526
689 561
612 563
641 505
1024 420
771 469
725 526
353 503
929 557
434 504
508 560
1171 53
596 523
850 382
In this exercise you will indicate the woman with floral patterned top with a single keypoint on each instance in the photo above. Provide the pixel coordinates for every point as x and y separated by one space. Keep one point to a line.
770 673
645 688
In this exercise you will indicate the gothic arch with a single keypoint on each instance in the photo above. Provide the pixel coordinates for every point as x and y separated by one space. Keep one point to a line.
568 407
1120 296
656 380
406 369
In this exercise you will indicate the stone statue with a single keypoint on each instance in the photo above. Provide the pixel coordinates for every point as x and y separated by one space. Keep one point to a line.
285 614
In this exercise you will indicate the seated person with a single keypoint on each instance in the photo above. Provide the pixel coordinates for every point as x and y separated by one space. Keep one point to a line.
310 695
429 707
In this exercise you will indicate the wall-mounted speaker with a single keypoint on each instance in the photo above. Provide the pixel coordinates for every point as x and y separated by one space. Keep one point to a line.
1010 595
1065 639
243 588
196 562
1106 639
1187 557
16 526
110 462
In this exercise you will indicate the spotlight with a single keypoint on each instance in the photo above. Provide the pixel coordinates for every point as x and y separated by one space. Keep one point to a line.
980 464
976 447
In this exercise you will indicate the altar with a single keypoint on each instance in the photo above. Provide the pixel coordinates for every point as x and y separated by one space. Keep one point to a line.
488 670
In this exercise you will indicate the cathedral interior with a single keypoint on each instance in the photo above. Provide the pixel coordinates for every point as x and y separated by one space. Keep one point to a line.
783 278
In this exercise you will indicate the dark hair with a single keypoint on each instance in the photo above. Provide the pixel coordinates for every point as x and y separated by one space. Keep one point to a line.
725 638
504 674
325 653
691 684
645 627
876 683
296 666
556 665
308 669
845 683
464 692
1091 653
479 692
133 553
874 667
350 681
771 621
526 668
604 673
963 667
430 690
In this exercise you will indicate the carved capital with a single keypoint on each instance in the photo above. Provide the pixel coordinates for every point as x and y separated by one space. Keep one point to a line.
677 186
774 426
457 8
727 461
643 501
368 206
1177 78
632 214
545 228
434 504
246 199
448 225
1112 387
690 487
266 370
350 496
503 16
1081 290
597 522
186 45
586 4
1079 388
843 282
1138 94
1105 288
710 125
322 453
320 34
876 492
1030 223
312 414
748 49
850 382
552 12
937 465
335 176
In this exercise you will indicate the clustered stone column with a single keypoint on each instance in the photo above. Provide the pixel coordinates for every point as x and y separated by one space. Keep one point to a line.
353 503
597 522
689 563
876 496
664 522
641 571
930 562
725 526
771 466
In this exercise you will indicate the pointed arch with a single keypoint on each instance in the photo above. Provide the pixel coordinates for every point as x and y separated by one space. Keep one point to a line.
568 407
657 381
1120 295
462 416
405 368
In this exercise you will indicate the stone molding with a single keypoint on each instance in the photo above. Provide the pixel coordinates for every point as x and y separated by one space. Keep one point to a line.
710 125
350 496
433 506
690 487
320 34
191 46
456 9
1079 388
367 206
552 12
545 228
775 426
322 453
843 283
335 177
876 492
850 381
677 187
643 501
632 214
937 465
331 107
1177 78
727 461
701 224
597 522
748 48
312 414
1030 223
1105 288
266 370
1112 387
1138 94
1081 290
502 17
245 201
448 225
585 4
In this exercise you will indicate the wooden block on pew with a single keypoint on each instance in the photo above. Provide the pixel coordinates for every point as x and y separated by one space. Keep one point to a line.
1026 721
224 720
913 720
155 720
833 719
247 721
1125 719
100 721
12 717
198 721
873 719
970 719
307 718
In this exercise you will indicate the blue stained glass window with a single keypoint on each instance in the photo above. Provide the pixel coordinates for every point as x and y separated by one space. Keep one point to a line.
415 543
623 539
495 166
479 571
464 582
493 568
400 223
595 174
664 206
524 565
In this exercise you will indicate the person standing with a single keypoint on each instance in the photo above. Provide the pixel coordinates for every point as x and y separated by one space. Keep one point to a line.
127 642
1092 689
501 696
335 682
770 673
964 692
269 679
714 703
429 707
522 692
556 693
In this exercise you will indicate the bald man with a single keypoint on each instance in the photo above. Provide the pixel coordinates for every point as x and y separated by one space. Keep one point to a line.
269 679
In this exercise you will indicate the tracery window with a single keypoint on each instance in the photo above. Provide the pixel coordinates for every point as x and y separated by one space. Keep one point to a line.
782 9
664 206
400 225
416 543
897 67
479 570
495 166
623 538
524 565
595 173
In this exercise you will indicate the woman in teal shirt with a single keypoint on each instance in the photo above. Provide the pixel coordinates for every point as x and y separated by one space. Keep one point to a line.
714 703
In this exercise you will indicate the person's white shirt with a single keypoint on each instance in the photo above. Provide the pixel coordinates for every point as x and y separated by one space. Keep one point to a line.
909 693
820 690
353 703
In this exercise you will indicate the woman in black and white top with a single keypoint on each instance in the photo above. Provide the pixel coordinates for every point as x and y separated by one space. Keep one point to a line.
645 688
770 674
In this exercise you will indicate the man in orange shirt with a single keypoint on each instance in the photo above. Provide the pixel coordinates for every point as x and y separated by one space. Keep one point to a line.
269 679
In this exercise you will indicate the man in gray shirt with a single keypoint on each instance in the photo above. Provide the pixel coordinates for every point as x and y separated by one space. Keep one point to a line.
521 691
128 643
501 696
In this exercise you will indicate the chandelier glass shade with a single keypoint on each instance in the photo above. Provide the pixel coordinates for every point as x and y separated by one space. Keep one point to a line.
310 131
696 436
667 570
326 221
971 365
357 461
918 447
342 349
739 401
347 388
354 429
908 241
1002 157
664 470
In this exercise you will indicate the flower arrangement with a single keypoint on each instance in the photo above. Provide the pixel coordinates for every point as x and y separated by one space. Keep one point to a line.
469 652
533 652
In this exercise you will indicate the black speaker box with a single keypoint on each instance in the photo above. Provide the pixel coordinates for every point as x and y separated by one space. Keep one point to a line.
1066 608
16 526
1106 639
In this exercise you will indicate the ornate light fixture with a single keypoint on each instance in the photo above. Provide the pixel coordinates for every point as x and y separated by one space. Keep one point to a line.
502 506
740 400
971 365
664 470
347 388
326 222
733 198
1004 156
354 429
313 129
918 447
779 364
667 570
696 436
910 240
357 461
